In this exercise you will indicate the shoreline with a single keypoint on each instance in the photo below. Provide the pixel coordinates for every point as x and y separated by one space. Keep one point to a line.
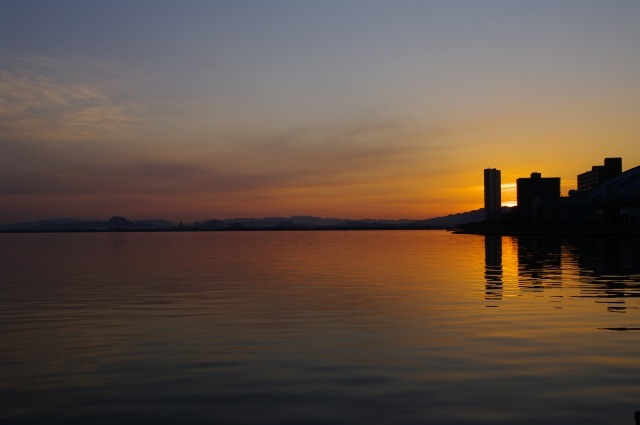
631 229
265 229
502 229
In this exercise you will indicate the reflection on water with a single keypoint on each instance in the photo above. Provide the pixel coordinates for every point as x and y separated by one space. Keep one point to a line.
539 263
606 269
612 265
493 268
366 327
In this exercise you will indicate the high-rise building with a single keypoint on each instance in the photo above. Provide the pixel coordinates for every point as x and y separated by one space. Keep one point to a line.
492 195
600 174
538 197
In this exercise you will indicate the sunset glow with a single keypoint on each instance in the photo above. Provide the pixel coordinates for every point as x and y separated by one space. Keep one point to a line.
383 109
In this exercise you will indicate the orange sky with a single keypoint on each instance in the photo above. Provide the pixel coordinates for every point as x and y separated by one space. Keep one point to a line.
333 109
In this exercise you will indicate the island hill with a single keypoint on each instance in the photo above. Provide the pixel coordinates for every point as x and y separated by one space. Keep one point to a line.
121 224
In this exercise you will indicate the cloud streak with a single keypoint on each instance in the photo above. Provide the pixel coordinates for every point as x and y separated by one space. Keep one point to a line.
38 107
310 158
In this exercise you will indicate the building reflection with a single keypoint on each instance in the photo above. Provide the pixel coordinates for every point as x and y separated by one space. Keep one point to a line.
606 269
539 262
493 268
611 265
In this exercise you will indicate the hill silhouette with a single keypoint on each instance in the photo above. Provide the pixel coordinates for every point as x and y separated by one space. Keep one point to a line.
296 222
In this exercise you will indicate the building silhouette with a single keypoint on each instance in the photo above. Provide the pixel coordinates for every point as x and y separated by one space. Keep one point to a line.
538 197
605 195
600 174
616 200
492 194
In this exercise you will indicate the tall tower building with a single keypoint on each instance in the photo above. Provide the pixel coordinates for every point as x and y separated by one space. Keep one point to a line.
492 196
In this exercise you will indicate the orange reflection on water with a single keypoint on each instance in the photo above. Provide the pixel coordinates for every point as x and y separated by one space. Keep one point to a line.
368 315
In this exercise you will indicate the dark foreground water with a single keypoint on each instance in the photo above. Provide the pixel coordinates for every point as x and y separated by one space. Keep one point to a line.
360 327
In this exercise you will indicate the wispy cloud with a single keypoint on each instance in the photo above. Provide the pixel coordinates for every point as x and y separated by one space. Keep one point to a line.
40 107
301 160
23 92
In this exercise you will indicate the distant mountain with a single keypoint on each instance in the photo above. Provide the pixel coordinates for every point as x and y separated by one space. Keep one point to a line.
157 222
117 223
75 225
454 220
308 222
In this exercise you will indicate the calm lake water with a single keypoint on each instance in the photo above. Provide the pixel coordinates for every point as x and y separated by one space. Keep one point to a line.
358 327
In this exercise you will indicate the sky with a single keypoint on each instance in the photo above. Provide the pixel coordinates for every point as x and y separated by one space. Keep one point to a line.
193 110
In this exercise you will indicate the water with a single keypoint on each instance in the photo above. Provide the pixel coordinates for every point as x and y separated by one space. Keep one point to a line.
359 327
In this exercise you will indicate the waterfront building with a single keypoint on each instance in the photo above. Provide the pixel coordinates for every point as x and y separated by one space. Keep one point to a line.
615 201
600 174
538 197
492 194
